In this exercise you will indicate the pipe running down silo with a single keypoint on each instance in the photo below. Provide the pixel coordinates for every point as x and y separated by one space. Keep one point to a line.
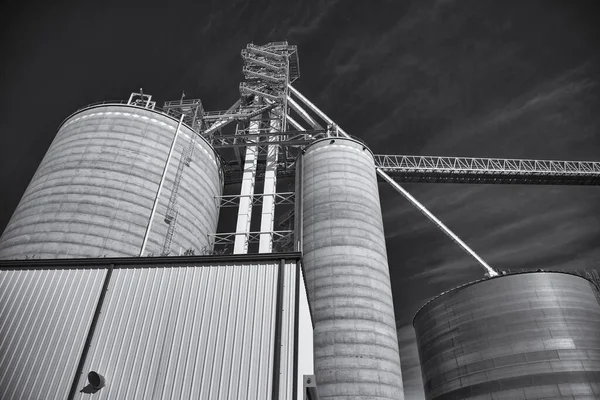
490 272
344 254
102 189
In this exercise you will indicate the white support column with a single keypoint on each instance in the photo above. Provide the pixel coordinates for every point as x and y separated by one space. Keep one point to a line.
242 229
265 244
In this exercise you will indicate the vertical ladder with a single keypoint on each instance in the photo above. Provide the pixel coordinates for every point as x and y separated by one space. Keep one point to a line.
170 231
173 206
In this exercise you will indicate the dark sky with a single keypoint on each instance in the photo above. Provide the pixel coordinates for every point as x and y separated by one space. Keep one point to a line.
513 79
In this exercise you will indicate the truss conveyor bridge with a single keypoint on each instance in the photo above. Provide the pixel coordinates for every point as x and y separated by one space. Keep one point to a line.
260 137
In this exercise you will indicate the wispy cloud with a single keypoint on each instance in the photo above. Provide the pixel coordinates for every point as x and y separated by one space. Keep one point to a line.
540 231
555 98
307 26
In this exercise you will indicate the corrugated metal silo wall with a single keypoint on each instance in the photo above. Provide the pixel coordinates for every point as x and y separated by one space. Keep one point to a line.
93 191
347 277
522 336
171 330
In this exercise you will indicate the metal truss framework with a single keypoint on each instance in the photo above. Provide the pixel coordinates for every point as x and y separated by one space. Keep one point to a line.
190 109
233 175
259 135
234 200
488 170
228 239
268 139
288 138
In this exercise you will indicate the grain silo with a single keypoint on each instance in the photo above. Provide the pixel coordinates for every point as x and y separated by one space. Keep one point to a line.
521 336
345 261
105 186
90 304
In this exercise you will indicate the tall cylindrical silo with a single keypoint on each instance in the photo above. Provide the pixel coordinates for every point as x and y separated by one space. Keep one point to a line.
345 261
94 191
521 336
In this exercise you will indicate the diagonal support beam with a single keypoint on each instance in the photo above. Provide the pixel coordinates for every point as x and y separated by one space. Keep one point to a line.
305 116
294 123
223 122
491 272
320 113
436 221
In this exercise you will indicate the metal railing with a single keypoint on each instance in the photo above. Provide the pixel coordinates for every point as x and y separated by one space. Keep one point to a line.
234 200
221 239
122 103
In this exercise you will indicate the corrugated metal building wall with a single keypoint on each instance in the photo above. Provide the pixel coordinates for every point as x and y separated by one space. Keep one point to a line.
201 327
43 314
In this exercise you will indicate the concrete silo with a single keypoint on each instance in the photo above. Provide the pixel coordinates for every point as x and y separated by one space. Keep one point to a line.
95 189
207 326
355 340
522 336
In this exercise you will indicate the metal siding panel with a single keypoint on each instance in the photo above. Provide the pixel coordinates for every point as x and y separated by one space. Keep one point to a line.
262 348
55 299
286 370
219 334
90 290
208 344
224 374
268 335
200 333
20 345
46 315
237 337
305 339
246 371
187 332
175 351
189 346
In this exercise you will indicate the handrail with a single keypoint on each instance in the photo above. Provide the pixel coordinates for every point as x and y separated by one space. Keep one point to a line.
156 109
122 103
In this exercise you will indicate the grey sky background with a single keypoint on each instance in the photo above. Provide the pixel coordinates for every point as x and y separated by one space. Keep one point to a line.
484 78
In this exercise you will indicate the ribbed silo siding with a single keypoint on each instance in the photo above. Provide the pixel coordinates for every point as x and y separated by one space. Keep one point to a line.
191 332
347 277
92 194
44 319
198 188
534 335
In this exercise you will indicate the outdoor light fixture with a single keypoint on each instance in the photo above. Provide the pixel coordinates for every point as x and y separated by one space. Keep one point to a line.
96 380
